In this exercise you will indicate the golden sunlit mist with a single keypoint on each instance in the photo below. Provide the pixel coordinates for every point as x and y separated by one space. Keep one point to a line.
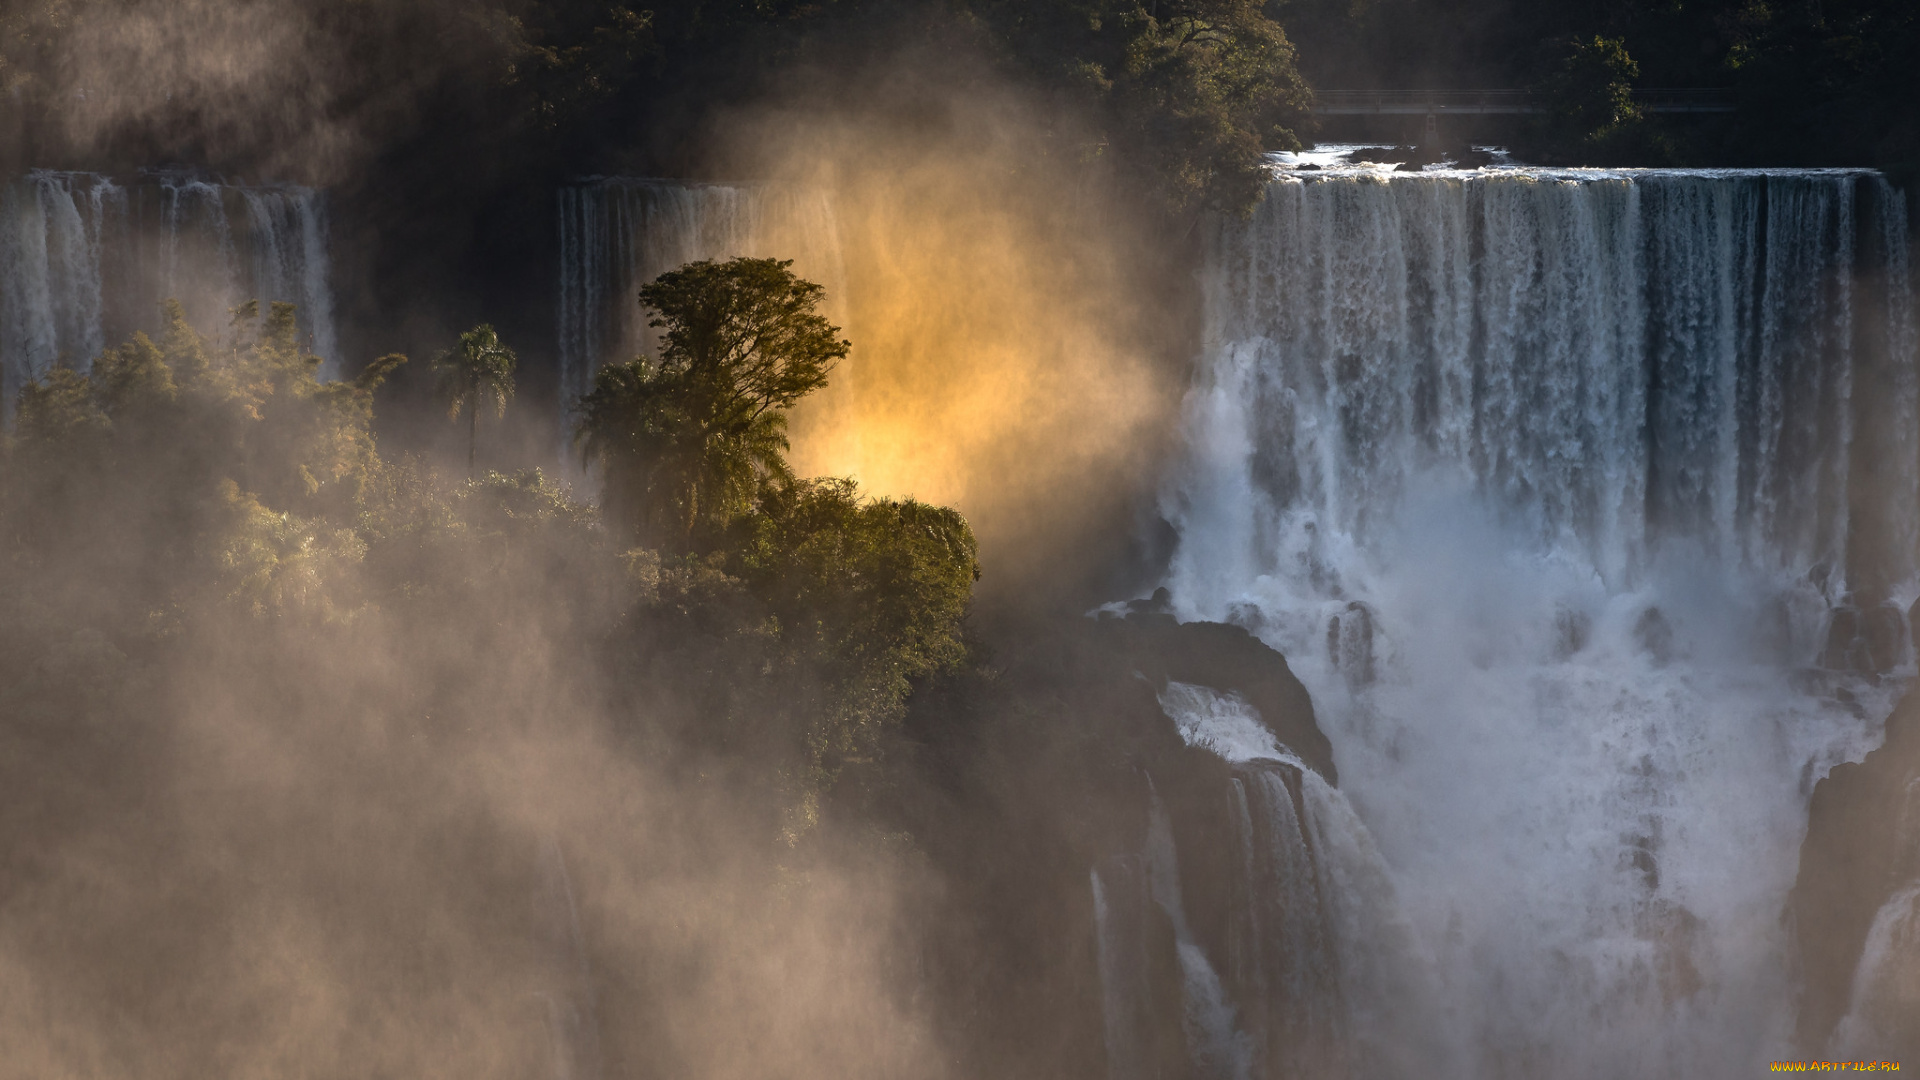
1009 344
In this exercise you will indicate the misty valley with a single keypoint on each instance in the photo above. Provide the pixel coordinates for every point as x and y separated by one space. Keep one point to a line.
954 538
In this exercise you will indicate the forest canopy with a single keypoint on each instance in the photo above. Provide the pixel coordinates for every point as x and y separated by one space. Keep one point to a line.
267 690
183 482
1182 96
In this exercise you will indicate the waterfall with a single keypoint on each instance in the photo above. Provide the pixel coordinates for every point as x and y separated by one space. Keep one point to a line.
567 996
1324 975
1128 891
86 260
1281 960
1571 496
51 235
290 258
619 233
1886 987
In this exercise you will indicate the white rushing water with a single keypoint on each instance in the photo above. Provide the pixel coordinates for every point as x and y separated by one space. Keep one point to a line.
86 260
1549 485
619 233
1319 952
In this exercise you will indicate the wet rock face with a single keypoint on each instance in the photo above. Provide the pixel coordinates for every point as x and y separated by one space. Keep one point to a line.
1350 644
1229 659
1870 640
1861 856
1056 864
1139 653
1140 975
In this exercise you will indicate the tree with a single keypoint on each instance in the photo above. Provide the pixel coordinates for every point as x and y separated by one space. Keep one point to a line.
1189 94
871 595
690 440
478 372
1593 89
182 464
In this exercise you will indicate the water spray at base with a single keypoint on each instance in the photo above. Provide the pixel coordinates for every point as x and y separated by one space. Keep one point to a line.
1547 485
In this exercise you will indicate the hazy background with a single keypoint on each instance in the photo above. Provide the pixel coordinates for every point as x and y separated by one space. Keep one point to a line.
437 808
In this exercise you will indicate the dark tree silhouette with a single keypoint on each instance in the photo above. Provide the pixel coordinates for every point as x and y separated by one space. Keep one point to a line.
689 441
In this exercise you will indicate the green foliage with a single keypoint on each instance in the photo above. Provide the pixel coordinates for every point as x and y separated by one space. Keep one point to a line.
185 484
1591 117
271 563
525 501
1593 89
570 59
153 472
870 596
1189 94
746 332
690 441
670 481
794 616
1830 83
1818 82
1186 95
228 625
475 374
58 413
801 650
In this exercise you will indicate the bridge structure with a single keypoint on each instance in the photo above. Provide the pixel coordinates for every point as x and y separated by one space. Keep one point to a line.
1498 102
1436 104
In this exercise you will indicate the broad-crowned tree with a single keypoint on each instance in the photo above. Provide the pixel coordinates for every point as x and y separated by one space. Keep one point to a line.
689 441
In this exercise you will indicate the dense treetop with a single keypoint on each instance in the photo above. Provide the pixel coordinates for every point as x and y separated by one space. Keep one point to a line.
691 441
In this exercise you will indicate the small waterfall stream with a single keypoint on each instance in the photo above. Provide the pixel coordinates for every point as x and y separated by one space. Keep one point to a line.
86 260
567 994
1323 973
619 233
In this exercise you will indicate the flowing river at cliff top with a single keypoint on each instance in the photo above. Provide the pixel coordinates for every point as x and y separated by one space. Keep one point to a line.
1585 505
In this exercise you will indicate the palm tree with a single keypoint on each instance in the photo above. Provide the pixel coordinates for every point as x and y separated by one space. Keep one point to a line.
478 372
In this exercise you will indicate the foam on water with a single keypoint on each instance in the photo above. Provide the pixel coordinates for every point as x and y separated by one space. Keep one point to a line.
1222 723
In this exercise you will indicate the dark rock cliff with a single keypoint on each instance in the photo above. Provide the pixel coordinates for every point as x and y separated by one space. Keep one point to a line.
1862 848
1047 773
